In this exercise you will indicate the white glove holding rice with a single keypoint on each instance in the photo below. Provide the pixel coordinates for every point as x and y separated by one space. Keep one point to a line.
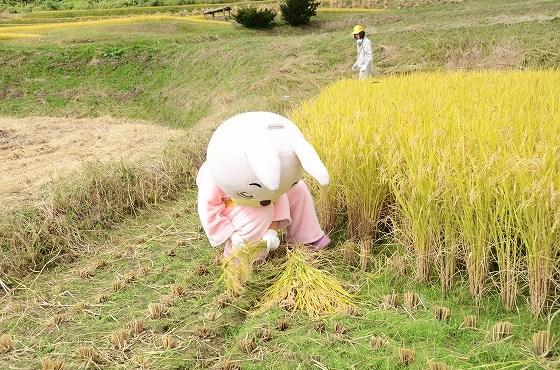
272 240
237 241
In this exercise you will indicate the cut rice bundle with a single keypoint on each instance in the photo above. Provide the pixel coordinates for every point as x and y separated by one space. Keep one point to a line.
237 268
302 286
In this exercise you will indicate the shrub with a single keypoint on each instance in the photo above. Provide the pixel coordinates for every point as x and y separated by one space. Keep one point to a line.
255 18
298 12
156 3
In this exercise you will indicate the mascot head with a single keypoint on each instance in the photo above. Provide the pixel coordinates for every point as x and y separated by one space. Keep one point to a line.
258 156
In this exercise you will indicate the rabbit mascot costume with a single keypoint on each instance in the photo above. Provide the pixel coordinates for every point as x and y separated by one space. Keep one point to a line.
251 184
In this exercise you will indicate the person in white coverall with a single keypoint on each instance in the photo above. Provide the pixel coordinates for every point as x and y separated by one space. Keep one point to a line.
364 58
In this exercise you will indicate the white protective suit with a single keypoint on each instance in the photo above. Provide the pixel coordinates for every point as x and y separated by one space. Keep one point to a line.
364 59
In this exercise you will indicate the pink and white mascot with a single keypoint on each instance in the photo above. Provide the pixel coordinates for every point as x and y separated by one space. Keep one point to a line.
251 184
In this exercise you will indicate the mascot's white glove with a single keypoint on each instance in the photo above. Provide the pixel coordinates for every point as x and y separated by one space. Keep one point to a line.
236 241
354 66
272 240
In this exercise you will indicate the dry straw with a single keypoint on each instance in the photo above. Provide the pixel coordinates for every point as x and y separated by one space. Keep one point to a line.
406 356
442 313
88 354
410 301
6 343
378 342
501 330
56 363
542 343
119 338
302 286
157 310
137 327
247 344
459 191
390 301
168 341
432 365
470 322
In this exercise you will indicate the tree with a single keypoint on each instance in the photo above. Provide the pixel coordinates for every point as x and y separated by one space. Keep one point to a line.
298 12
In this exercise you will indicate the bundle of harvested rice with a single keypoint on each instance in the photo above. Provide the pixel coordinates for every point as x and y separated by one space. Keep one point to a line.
302 286
237 268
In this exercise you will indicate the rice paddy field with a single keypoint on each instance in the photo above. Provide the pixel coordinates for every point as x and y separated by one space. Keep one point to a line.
443 205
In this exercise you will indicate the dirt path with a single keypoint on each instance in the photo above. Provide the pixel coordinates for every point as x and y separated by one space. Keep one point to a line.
35 150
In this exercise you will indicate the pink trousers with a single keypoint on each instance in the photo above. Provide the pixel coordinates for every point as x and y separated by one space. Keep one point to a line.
293 211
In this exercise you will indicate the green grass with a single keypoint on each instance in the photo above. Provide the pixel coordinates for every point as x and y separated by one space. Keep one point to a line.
160 71
148 240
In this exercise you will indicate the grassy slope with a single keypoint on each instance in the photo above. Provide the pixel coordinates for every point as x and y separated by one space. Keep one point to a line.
148 240
162 72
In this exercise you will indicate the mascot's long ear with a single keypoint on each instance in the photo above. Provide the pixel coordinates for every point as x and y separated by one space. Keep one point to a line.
265 162
310 160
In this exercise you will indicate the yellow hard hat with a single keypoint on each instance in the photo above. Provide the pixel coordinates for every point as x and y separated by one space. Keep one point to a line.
357 29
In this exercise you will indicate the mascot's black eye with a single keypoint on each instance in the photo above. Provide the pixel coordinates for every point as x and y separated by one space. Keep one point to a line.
295 183
244 194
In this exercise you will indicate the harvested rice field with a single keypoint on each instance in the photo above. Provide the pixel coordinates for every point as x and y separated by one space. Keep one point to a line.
36 150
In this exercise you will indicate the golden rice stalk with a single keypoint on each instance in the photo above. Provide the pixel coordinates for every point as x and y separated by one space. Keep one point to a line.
177 290
390 301
501 330
212 315
56 363
410 301
237 268
137 326
84 273
88 354
157 310
228 364
542 343
302 286
326 208
378 342
247 344
432 365
406 356
349 252
168 342
365 252
470 322
6 343
119 339
442 313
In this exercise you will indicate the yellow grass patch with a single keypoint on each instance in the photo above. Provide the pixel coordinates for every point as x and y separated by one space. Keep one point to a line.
38 28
